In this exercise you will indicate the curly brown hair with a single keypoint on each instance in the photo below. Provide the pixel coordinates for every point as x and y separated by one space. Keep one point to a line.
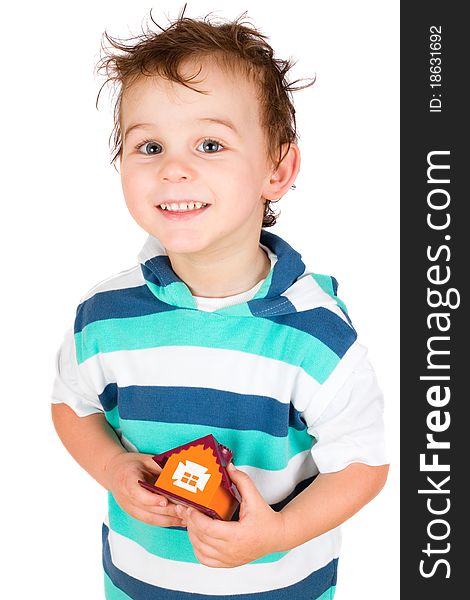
236 46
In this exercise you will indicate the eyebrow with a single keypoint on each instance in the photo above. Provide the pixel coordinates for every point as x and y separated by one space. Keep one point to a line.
136 126
217 121
225 122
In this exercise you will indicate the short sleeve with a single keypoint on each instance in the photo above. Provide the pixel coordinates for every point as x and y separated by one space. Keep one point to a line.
350 428
70 386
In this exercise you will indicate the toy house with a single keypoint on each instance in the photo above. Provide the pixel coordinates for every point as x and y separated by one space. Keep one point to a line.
195 474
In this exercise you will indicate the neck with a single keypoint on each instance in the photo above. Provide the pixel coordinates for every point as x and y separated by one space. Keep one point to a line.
224 274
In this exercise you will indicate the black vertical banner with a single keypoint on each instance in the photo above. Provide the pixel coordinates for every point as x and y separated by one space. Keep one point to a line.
435 259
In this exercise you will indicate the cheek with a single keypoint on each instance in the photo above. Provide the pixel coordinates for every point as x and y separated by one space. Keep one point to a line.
131 188
241 176
133 184
126 180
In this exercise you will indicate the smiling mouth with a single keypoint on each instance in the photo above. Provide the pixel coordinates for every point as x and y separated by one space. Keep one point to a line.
179 207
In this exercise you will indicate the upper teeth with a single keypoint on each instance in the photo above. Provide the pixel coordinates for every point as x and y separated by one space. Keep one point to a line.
182 206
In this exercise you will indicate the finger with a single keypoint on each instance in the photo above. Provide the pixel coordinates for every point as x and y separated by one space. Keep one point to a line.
169 511
155 519
150 499
204 549
157 509
181 511
214 563
207 555
141 495
213 548
245 484
150 464
205 527
164 521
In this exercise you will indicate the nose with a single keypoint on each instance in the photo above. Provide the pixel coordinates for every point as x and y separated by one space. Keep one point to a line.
175 171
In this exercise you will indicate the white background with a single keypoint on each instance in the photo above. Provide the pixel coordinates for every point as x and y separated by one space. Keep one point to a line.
65 227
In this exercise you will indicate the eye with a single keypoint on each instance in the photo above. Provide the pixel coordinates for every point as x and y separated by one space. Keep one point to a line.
150 147
210 146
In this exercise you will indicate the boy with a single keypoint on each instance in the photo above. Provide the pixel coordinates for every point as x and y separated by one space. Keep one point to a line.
220 329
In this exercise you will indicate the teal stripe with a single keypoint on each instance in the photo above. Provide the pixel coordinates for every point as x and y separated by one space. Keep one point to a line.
111 592
264 289
329 594
326 284
165 542
112 416
209 330
176 294
250 448
324 281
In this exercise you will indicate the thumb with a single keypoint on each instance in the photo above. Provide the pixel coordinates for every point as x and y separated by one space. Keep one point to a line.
248 491
150 464
195 519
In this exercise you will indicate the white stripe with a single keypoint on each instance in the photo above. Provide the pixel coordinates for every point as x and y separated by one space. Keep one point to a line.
196 366
152 247
274 486
71 386
306 294
355 354
272 257
130 557
343 437
125 279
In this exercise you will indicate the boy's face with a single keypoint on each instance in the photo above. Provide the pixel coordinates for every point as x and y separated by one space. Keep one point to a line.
183 146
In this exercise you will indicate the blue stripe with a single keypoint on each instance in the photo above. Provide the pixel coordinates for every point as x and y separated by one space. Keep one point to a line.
334 283
109 397
116 304
323 324
141 301
289 266
330 285
263 307
310 588
111 592
159 271
202 406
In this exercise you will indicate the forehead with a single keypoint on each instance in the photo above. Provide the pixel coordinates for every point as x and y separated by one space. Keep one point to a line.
228 95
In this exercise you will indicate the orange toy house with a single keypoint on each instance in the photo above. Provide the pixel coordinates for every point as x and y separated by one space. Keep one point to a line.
195 474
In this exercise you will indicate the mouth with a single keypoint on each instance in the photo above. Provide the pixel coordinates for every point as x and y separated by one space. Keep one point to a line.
182 209
189 205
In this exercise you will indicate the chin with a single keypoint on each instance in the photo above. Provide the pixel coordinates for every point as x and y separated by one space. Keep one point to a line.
182 244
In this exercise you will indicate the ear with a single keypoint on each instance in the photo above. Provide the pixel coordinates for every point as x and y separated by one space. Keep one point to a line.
280 180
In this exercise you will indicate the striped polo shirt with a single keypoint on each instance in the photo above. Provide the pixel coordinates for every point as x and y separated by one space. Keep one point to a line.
279 378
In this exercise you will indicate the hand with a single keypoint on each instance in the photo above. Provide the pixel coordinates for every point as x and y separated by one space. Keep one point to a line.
124 470
231 544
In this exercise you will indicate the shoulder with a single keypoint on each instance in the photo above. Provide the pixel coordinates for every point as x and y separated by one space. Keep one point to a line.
317 309
119 281
110 297
327 337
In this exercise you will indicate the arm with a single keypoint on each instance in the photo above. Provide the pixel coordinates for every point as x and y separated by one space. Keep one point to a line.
329 501
90 440
95 446
349 429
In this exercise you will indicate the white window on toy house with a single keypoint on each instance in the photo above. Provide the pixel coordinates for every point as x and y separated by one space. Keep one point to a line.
191 476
